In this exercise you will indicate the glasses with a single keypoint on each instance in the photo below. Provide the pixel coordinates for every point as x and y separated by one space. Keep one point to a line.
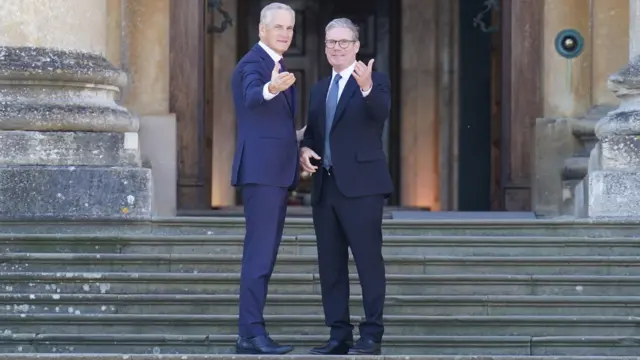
343 43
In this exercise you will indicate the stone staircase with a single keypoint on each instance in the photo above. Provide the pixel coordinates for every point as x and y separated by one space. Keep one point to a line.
500 289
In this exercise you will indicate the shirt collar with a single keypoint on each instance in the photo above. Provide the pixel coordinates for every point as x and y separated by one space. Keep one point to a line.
346 72
275 56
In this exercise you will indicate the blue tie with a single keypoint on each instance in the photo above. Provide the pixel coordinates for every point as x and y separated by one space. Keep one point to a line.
332 104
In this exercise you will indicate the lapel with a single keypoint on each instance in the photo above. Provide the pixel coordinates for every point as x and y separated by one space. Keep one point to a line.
322 105
268 64
290 95
349 89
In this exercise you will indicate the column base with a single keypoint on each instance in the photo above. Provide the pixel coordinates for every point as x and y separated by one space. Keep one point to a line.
614 194
74 193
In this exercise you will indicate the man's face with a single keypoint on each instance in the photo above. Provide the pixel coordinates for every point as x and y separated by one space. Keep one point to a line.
341 48
278 33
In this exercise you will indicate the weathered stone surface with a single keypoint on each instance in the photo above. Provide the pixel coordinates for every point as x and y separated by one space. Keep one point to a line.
405 325
296 284
69 148
307 264
56 90
16 63
484 349
620 152
156 243
614 193
138 290
74 192
614 186
306 304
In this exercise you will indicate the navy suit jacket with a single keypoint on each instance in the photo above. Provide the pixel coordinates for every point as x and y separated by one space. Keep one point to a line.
266 145
359 162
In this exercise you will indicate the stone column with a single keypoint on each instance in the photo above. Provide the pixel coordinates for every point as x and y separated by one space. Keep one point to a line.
67 150
614 170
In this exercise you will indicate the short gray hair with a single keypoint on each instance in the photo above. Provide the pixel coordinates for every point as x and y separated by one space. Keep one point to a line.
267 11
344 23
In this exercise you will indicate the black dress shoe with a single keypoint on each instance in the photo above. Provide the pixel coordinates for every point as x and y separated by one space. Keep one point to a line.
365 347
333 347
261 345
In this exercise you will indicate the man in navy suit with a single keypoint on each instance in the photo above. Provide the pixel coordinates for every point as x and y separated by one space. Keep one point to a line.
265 166
342 148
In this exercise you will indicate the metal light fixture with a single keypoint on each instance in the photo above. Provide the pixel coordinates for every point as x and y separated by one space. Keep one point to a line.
490 5
216 5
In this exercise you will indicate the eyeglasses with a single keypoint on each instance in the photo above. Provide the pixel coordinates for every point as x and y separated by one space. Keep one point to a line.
343 43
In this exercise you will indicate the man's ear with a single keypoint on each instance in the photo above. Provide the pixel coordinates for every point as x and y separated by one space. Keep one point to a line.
356 45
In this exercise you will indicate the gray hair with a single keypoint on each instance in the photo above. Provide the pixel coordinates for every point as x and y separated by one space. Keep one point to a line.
344 23
267 12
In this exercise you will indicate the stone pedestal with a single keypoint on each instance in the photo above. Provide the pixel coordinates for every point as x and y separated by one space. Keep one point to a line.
614 167
67 150
614 178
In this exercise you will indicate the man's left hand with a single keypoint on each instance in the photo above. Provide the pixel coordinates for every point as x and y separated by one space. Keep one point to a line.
362 74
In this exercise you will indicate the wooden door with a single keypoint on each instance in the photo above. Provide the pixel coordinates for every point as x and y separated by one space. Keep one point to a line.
186 100
306 57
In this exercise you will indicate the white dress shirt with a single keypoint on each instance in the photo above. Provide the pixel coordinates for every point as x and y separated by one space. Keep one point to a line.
346 74
276 58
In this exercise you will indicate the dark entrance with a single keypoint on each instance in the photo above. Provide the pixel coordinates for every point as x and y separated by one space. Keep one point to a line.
307 60
478 173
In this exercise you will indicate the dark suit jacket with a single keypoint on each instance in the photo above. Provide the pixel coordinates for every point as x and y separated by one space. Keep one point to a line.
359 161
266 146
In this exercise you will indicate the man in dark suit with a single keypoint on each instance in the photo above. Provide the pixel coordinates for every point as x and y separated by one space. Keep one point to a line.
342 148
265 166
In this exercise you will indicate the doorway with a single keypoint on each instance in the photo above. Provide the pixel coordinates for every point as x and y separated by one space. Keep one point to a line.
479 104
306 59
437 139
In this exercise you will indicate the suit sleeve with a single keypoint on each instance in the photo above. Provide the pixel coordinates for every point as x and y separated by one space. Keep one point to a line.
379 99
307 140
253 85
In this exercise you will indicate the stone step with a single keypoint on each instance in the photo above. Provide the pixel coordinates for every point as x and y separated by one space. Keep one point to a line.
462 305
100 346
301 226
201 324
452 226
397 284
441 265
306 244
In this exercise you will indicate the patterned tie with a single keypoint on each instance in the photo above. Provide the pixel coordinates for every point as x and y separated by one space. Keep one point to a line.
332 104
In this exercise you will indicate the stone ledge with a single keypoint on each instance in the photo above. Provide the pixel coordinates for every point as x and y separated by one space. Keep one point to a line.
63 65
219 347
74 192
70 117
69 148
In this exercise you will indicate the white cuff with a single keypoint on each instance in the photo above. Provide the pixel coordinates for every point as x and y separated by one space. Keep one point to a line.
266 94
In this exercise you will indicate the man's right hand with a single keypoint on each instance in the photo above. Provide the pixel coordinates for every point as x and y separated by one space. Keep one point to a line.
305 160
280 81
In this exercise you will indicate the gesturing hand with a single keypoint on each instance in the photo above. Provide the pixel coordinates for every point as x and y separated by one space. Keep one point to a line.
362 74
305 160
280 81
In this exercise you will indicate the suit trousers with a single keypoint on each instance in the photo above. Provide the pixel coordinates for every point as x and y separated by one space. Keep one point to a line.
341 223
265 209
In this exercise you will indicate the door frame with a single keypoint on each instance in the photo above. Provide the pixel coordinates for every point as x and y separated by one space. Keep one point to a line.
192 98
